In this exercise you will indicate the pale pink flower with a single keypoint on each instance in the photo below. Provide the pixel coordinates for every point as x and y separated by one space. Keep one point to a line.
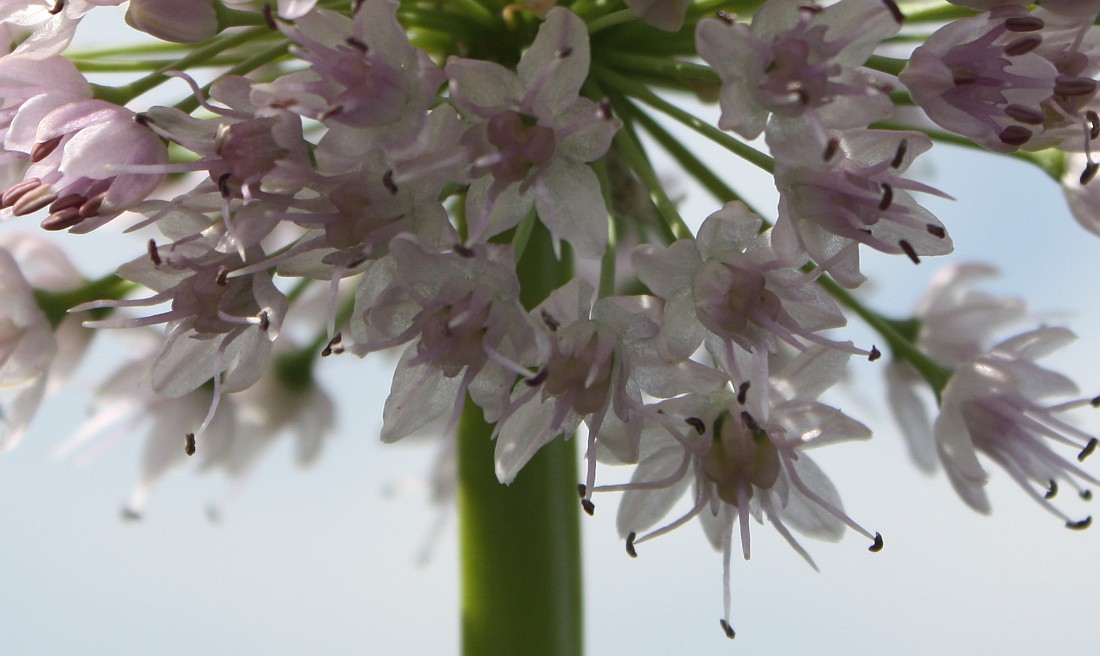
178 21
667 15
797 59
535 136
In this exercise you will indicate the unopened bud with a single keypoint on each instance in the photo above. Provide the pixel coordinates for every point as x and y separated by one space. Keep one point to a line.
179 21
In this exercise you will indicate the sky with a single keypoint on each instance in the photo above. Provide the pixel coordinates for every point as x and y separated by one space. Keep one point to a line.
350 557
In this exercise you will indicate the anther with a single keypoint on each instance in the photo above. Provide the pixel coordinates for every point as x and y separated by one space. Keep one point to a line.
588 506
223 184
1023 45
875 354
1068 85
32 201
830 149
877 546
750 421
550 321
269 17
1024 24
464 251
333 346
65 202
730 633
963 76
895 11
935 230
1052 490
57 7
1089 173
1024 114
899 155
154 254
605 109
387 181
537 378
1080 524
265 322
743 392
13 193
1094 124
1085 494
62 220
887 197
564 52
1095 402
582 489
222 277
1014 135
143 120
1087 451
189 444
697 424
358 44
42 149
907 248
725 17
128 514
90 207
630 545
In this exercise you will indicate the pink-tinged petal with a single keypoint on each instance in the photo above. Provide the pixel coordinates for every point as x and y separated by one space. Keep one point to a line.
521 435
19 407
806 515
418 396
569 202
296 8
668 271
641 508
811 373
667 15
911 415
483 87
588 133
556 64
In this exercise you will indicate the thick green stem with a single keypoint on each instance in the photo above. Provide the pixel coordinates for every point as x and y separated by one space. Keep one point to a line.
520 544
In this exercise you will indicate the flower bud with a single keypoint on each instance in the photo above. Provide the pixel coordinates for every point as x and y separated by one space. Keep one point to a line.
179 21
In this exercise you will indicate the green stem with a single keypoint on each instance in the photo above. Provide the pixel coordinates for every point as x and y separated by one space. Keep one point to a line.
56 305
641 92
612 19
936 374
520 544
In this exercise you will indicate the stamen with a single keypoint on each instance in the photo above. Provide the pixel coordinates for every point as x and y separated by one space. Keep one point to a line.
91 206
588 506
963 76
877 546
154 255
127 513
895 11
358 44
223 184
550 321
269 17
908 250
42 149
899 156
143 120
1068 85
464 251
333 346
1024 24
935 230
538 378
1080 524
1085 494
743 392
887 197
265 322
13 193
605 109
1089 173
1087 451
1094 124
875 354
62 220
57 7
582 490
564 52
189 444
1095 402
750 421
1024 114
830 149
630 545
730 633
1014 135
697 424
1052 490
387 181
1023 45
222 277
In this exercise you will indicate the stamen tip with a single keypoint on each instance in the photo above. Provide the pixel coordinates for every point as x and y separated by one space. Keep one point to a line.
730 633
630 545
877 546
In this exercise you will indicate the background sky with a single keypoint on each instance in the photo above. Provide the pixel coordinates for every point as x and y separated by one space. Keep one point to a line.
332 560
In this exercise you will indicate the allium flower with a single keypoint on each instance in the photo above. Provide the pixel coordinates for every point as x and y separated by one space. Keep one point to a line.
852 194
178 21
730 284
956 325
799 60
80 161
459 311
48 25
743 455
33 356
536 135
981 77
994 405
31 88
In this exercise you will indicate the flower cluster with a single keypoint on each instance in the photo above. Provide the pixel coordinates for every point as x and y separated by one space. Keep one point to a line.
430 174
